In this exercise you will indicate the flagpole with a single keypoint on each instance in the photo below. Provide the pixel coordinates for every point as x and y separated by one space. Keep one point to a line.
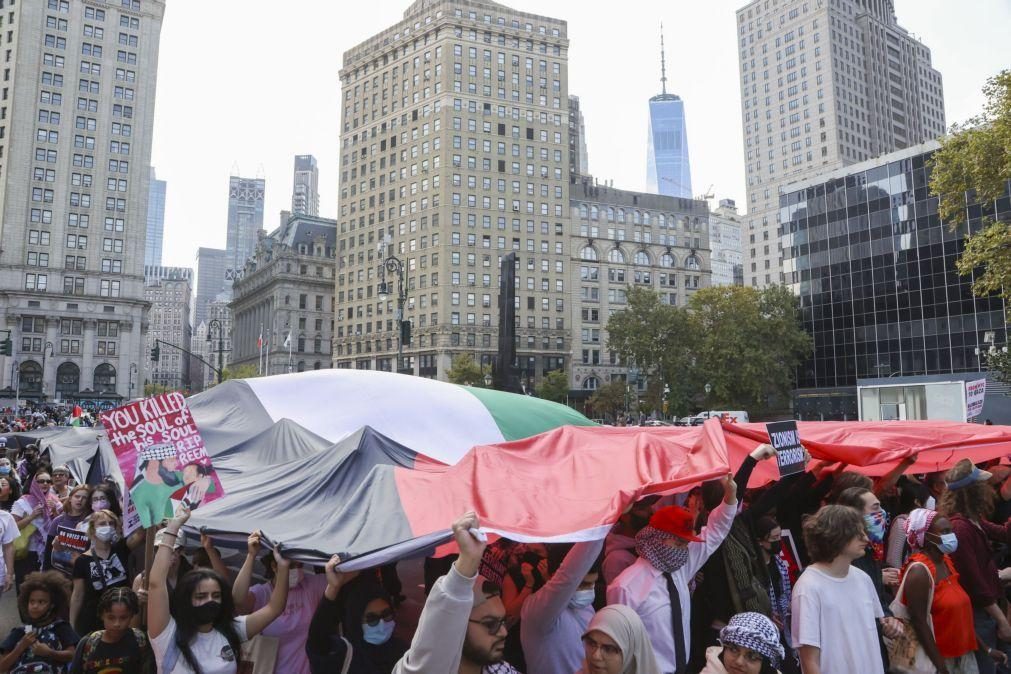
259 346
289 351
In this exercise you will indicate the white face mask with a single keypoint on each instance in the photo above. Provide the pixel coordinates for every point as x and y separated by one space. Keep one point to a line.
105 533
583 598
294 577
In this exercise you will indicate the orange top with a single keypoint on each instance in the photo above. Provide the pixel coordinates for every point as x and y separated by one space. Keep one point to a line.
951 611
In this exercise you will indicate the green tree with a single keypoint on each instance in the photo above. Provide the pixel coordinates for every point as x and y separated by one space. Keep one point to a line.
608 400
247 371
156 389
466 372
554 386
976 157
750 343
660 340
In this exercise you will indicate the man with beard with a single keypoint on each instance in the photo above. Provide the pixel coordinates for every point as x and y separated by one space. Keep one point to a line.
656 585
156 481
462 628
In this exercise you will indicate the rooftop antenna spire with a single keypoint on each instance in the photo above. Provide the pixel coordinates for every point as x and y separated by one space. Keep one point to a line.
663 63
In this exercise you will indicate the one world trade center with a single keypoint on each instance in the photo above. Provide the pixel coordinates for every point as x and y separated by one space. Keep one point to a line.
667 168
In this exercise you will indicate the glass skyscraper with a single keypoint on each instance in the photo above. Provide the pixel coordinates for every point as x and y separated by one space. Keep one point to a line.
667 169
155 222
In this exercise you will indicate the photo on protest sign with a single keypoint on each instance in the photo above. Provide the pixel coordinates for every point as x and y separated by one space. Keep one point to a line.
783 436
161 455
791 556
68 545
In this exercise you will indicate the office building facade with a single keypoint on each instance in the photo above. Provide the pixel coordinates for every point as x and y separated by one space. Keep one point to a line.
305 187
454 153
874 268
287 287
211 267
579 161
75 148
170 292
619 239
245 221
823 85
155 222
725 243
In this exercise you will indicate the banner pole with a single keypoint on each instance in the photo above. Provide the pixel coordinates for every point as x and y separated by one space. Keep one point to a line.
148 563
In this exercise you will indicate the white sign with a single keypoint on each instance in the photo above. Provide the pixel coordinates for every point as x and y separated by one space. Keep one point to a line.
975 391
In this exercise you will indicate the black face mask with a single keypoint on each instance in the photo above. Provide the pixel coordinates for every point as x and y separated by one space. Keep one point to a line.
168 477
775 547
207 613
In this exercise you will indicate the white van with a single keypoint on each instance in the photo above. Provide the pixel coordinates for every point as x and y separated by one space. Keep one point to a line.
730 416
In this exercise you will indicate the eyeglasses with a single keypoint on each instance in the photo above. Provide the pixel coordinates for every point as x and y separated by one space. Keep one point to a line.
749 655
43 481
372 619
493 625
608 650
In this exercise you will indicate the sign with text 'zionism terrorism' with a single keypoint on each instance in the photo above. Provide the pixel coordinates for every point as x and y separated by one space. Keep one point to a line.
162 456
783 436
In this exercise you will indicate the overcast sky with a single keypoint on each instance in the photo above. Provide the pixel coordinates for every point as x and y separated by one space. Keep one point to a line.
251 83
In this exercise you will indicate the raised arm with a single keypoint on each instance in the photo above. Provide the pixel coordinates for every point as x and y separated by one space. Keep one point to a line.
241 595
327 614
158 615
258 620
207 543
543 608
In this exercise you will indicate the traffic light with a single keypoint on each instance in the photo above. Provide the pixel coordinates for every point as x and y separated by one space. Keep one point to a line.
155 352
6 347
405 333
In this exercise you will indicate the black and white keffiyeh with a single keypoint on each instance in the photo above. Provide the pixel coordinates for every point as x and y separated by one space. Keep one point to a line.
754 631
651 545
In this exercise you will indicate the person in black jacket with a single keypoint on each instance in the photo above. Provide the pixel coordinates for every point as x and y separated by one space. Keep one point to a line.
366 617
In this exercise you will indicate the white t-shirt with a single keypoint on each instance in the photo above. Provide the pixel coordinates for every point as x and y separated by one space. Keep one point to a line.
37 543
210 649
839 616
8 532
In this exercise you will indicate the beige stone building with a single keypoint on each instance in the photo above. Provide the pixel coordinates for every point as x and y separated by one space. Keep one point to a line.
287 287
169 290
824 84
454 150
75 146
619 239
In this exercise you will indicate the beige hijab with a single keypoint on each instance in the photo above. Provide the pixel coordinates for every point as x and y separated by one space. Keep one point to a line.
624 626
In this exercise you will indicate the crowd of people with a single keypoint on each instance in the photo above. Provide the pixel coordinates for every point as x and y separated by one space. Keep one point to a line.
906 573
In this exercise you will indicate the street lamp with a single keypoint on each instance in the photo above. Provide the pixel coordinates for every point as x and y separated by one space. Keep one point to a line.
394 265
16 372
211 325
48 348
488 380
133 371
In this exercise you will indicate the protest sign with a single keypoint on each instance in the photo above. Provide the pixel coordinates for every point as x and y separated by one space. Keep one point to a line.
67 546
975 393
493 563
161 455
783 436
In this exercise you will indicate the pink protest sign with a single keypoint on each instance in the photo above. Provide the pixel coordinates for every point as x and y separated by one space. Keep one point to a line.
161 455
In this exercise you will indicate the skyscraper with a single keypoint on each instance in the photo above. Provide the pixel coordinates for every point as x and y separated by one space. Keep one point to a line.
823 85
245 220
578 160
305 191
667 169
74 174
155 222
454 150
170 292
212 264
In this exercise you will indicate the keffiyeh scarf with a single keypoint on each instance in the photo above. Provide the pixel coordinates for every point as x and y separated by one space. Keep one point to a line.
650 544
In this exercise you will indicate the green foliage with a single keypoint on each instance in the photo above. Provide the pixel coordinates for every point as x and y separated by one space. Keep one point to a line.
466 372
247 371
608 400
554 386
745 343
156 389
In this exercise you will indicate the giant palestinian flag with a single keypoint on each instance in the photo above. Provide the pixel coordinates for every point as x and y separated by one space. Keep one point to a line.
441 420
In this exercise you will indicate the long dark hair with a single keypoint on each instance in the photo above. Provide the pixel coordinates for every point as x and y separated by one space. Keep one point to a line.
186 624
15 491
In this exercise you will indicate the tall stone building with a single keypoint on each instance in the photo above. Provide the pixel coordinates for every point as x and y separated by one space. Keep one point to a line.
454 152
287 287
305 187
211 265
170 292
579 161
824 85
725 243
75 149
619 239
245 220
212 341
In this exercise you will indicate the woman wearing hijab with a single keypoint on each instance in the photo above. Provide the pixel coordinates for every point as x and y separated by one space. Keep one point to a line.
749 645
616 642
367 621
939 609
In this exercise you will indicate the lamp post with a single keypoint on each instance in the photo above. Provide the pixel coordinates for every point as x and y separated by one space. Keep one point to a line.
48 348
211 325
394 265
133 371
16 372
488 380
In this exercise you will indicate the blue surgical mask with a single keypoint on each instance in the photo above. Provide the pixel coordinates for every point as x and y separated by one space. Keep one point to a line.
5 470
583 598
379 633
948 543
875 526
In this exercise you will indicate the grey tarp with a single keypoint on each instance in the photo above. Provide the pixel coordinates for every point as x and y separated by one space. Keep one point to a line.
318 505
86 451
281 443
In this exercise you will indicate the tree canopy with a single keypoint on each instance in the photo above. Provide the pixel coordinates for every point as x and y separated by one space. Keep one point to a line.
554 386
466 372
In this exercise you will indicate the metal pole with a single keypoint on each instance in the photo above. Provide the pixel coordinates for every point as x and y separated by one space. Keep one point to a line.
401 296
221 353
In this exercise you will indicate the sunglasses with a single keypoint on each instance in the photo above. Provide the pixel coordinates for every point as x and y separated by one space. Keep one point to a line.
493 625
372 619
44 481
